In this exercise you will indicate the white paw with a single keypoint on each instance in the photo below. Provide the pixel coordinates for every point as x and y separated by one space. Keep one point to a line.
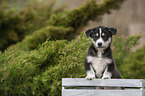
90 77
106 77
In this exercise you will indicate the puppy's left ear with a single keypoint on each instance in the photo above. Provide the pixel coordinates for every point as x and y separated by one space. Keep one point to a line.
89 32
113 31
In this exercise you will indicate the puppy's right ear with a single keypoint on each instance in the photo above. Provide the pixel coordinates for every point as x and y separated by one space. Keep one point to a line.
89 32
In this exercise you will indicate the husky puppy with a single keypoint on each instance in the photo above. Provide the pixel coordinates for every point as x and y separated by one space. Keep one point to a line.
99 62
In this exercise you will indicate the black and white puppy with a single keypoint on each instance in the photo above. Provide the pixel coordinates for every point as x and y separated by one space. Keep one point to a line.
99 62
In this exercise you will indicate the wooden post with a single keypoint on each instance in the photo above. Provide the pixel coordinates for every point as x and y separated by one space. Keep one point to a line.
143 87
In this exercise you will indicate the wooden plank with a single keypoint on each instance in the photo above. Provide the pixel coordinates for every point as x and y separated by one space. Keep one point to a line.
74 92
102 82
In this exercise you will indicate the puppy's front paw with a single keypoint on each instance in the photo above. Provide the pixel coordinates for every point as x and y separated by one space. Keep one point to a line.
90 77
106 77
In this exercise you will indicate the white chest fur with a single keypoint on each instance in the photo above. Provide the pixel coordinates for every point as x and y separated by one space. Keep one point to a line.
98 63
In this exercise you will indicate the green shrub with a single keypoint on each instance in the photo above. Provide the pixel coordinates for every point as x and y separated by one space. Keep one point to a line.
71 65
134 64
79 17
33 41
39 72
122 47
74 19
16 73
10 29
18 67
15 25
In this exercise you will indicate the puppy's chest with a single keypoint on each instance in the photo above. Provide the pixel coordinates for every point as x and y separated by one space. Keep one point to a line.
98 63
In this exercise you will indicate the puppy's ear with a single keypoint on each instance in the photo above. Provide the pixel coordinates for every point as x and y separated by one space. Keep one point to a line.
113 31
89 32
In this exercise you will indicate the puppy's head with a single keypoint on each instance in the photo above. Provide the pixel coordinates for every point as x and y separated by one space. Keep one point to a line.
101 36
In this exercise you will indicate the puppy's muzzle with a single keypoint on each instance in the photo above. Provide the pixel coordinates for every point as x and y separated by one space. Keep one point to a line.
99 44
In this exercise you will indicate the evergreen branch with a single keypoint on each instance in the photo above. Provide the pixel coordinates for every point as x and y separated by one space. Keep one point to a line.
79 17
72 20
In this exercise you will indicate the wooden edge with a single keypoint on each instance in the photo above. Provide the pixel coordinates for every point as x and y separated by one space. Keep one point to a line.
75 92
103 82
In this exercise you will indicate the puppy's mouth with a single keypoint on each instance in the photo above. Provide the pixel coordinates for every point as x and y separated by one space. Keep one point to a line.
100 47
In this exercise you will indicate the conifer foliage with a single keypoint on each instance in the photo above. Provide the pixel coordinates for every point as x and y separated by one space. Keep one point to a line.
73 20
36 65
134 65
15 25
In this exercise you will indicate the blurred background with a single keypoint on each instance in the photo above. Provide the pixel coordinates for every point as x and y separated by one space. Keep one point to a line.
129 19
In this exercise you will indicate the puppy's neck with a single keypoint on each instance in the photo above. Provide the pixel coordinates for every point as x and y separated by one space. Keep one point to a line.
100 52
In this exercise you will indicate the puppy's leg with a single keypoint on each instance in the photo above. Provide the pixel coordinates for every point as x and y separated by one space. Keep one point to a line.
107 74
90 74
89 70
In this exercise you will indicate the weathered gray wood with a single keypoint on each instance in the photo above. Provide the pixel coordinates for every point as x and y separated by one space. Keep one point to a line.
143 92
82 87
143 83
102 82
143 87
75 92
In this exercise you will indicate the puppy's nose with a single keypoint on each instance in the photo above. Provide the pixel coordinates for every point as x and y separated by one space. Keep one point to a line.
99 43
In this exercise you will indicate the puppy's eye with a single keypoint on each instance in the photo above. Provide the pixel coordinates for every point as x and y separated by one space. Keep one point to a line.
97 34
104 35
